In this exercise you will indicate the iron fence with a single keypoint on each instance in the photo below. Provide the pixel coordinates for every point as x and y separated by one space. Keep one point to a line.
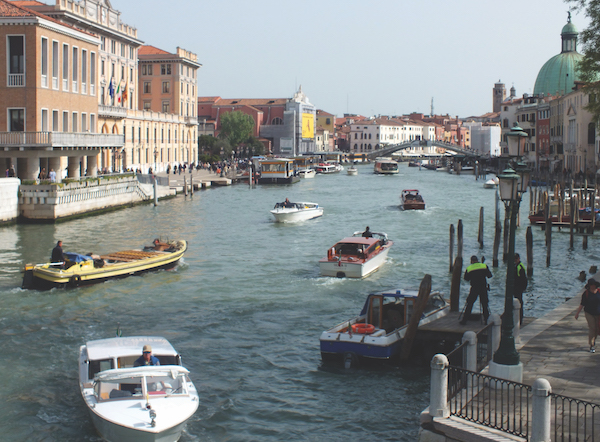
574 419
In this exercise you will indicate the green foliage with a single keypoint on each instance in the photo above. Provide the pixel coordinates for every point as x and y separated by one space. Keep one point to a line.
589 67
236 127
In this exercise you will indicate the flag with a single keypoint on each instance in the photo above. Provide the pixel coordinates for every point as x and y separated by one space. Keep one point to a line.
125 92
119 93
111 89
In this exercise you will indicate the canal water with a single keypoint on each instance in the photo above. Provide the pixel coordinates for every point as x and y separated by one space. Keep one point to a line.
246 305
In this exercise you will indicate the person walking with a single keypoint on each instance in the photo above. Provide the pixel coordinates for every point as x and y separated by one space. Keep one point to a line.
477 274
520 283
590 304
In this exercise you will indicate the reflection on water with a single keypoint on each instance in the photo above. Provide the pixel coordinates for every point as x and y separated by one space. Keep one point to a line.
247 305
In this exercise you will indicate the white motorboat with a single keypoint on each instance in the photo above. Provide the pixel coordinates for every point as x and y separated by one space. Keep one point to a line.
288 212
491 183
307 173
356 256
326 168
352 170
127 403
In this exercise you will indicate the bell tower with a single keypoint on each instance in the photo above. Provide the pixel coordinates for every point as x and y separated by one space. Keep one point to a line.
499 95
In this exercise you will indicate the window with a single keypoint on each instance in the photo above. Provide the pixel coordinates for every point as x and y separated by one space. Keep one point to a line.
16 121
16 60
147 105
44 122
65 121
165 69
75 69
45 63
55 120
132 52
147 87
74 126
93 123
122 49
102 67
93 73
149 69
165 107
166 87
102 43
144 70
83 71
54 65
113 47
83 122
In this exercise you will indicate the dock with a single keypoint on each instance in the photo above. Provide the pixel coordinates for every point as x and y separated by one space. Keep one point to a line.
553 347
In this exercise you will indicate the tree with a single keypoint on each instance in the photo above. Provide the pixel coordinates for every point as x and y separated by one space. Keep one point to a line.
589 67
236 127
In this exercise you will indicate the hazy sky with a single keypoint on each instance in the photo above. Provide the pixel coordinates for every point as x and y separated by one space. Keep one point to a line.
386 57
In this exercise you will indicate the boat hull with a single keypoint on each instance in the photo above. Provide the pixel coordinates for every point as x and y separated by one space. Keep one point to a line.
358 269
283 216
46 277
113 432
307 173
352 171
278 180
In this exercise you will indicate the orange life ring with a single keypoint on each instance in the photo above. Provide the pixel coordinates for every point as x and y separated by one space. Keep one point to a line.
363 329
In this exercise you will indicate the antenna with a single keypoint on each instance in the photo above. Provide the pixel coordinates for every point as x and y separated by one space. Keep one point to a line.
432 107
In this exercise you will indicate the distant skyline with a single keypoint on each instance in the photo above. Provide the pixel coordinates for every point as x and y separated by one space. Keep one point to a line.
389 57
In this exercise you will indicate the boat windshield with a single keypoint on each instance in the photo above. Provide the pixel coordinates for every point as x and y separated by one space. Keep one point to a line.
136 387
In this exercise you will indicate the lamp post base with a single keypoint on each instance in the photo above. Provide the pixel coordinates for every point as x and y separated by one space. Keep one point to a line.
512 373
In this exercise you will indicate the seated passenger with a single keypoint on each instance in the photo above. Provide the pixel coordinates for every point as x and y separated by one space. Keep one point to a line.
160 246
146 358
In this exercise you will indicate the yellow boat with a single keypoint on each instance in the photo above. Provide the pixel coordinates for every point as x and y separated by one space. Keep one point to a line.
84 270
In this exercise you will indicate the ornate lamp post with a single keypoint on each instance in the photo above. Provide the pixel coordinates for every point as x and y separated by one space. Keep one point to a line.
512 185
155 156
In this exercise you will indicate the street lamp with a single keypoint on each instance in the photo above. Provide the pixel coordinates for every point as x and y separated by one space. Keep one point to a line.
512 185
155 156
516 134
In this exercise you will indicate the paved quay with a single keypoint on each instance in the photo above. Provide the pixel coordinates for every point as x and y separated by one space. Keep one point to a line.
200 178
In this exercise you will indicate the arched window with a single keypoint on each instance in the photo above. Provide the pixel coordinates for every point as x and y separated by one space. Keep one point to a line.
277 121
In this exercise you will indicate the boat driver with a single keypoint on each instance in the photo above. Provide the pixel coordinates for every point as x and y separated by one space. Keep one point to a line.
367 233
146 358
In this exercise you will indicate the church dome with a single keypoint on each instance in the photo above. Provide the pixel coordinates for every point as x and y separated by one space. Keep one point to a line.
558 75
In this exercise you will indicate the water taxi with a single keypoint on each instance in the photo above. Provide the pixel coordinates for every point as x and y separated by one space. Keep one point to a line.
352 170
289 212
386 166
356 256
307 173
136 403
411 199
378 331
326 168
82 269
277 171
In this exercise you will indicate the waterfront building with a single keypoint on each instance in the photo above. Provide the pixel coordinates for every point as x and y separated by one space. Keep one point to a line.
326 122
116 82
49 110
485 138
285 125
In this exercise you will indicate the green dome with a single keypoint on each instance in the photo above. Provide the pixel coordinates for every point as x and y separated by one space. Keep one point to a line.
559 74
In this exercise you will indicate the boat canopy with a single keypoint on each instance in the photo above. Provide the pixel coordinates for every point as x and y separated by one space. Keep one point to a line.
77 257
119 347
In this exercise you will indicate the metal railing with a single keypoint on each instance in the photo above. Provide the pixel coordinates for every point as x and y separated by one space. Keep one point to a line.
574 419
489 401
61 139
457 357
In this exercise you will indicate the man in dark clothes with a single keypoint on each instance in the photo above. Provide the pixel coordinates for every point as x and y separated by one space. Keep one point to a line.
520 283
477 274
57 254
367 233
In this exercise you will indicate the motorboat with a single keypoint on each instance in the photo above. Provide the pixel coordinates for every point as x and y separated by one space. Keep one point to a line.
492 183
84 269
127 403
307 173
356 256
386 166
326 168
289 212
376 334
411 199
352 170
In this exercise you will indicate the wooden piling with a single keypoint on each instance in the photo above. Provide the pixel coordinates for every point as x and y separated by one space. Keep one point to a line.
548 233
497 232
459 239
455 284
529 245
480 235
413 324
185 189
572 221
155 192
451 245
506 232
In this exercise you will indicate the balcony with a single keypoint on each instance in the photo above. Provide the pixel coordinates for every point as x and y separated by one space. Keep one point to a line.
51 140
111 111
16 80
191 121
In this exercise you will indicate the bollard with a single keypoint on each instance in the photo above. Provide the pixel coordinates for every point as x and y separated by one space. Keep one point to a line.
496 331
438 402
471 338
155 192
516 320
541 411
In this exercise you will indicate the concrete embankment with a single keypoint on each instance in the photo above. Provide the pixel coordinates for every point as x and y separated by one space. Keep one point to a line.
9 199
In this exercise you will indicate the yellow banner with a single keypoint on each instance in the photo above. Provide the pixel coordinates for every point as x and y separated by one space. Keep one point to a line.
308 126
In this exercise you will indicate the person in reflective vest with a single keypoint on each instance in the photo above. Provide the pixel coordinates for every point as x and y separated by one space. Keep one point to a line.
520 283
477 274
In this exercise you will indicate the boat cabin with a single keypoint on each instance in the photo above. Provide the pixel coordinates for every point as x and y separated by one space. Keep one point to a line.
391 311
277 171
356 246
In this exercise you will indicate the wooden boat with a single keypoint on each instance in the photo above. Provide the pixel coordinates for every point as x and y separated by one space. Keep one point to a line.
411 199
378 331
85 269
288 212
356 256
144 403
386 166
307 173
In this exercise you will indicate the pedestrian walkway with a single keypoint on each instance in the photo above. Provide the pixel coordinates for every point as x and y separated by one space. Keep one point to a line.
198 177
